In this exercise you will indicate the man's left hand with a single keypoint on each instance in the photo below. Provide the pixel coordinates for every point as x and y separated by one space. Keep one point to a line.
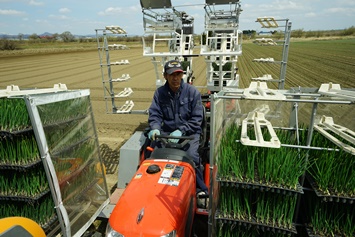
176 133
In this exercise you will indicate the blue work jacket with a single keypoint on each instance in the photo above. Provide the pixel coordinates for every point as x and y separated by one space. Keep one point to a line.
181 110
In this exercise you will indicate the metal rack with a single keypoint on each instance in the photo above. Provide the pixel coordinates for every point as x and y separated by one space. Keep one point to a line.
301 113
59 123
272 23
221 43
106 64
171 34
255 110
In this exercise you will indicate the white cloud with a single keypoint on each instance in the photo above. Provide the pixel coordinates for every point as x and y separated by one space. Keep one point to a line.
11 12
59 17
41 21
110 11
136 8
64 10
340 10
35 3
311 14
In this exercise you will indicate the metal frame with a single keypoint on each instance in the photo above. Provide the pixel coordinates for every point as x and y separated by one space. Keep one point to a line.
294 97
32 101
108 82
221 44
172 37
271 22
35 98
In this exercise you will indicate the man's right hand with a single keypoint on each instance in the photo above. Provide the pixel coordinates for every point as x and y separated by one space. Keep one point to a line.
152 134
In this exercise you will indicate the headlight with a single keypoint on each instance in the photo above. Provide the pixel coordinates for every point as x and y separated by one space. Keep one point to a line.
111 232
171 234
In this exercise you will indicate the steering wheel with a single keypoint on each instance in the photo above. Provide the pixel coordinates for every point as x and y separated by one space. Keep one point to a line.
165 140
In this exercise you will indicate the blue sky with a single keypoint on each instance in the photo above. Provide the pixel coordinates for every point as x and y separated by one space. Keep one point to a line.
83 17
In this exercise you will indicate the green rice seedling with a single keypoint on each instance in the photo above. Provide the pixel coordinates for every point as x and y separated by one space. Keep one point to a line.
275 210
322 169
68 133
262 211
23 184
19 150
236 166
343 184
41 212
226 157
349 227
13 114
250 169
85 150
4 185
222 202
70 109
245 204
226 201
233 230
235 203
242 156
46 211
8 151
331 219
78 184
228 163
280 167
237 206
332 170
275 167
248 204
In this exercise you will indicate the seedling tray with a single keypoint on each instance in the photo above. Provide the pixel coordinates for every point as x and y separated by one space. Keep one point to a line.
20 167
332 197
27 199
261 187
222 219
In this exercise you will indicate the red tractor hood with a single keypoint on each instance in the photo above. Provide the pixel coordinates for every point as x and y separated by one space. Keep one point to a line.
157 200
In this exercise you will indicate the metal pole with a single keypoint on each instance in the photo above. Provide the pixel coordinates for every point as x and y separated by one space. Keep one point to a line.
286 46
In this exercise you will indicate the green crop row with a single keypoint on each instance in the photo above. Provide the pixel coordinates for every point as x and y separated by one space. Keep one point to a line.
13 115
18 150
310 63
42 212
280 167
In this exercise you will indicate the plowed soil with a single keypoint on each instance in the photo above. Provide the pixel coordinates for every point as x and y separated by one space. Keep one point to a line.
81 70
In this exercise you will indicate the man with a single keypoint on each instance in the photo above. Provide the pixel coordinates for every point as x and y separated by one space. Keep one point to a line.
177 110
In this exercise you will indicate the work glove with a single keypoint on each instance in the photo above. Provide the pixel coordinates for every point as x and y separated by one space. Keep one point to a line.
152 134
176 133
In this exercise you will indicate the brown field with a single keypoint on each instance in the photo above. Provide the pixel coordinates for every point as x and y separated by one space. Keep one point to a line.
81 70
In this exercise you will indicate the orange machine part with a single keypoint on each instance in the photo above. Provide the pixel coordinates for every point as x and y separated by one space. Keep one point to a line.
152 207
207 176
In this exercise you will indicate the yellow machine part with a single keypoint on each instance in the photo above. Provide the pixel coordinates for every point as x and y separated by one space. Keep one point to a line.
29 225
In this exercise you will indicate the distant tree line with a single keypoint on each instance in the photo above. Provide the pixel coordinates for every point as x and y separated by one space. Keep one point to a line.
300 33
67 37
